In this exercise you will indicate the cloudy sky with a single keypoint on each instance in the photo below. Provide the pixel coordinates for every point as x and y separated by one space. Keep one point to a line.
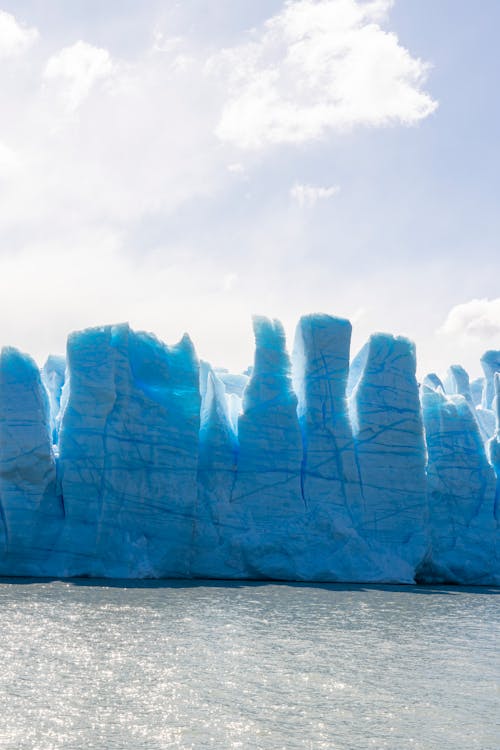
183 165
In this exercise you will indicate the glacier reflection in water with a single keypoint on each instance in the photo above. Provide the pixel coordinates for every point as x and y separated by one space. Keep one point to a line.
215 665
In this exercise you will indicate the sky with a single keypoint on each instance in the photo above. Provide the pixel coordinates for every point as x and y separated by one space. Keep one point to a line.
185 165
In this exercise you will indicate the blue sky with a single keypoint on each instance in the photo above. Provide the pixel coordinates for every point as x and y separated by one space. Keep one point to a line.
183 165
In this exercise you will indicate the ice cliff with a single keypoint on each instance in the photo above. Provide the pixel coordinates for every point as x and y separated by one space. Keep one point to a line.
131 458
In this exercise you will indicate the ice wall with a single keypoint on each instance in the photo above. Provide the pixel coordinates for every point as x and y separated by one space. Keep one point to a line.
494 453
458 383
490 362
267 491
461 491
219 527
485 414
30 509
131 459
129 455
321 368
391 453
331 483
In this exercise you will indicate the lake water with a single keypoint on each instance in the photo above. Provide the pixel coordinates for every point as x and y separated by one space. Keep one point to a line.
215 665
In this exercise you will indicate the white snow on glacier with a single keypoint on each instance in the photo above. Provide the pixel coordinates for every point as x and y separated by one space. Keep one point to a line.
130 458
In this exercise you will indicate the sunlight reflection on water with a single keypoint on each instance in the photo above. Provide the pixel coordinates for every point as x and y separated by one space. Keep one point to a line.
228 665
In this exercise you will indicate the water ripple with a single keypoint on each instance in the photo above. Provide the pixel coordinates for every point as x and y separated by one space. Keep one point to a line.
214 665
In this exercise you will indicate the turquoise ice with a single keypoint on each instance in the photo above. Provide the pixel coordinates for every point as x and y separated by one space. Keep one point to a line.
130 458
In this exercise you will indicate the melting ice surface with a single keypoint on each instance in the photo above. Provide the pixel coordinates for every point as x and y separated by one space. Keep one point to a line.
131 459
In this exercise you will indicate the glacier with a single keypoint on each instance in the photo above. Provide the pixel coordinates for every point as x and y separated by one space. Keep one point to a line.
129 458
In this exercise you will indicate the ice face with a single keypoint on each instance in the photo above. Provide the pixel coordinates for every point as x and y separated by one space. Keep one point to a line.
355 370
461 492
331 482
321 367
458 383
316 471
31 511
233 383
233 386
320 371
476 389
391 453
485 414
490 362
434 382
53 376
267 488
494 453
486 421
218 527
129 454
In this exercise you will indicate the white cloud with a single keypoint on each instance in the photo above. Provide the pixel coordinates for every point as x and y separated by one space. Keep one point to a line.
229 280
141 145
15 38
478 319
163 43
9 161
132 208
79 67
316 66
309 195
144 140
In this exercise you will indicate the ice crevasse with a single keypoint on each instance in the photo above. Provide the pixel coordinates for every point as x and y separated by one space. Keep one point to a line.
131 459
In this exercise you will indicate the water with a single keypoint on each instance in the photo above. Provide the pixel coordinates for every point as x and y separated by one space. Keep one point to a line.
213 665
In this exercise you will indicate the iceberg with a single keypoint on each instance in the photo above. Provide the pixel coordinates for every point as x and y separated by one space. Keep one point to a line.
130 458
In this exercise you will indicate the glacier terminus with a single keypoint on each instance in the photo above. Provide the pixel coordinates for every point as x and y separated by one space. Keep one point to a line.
129 458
